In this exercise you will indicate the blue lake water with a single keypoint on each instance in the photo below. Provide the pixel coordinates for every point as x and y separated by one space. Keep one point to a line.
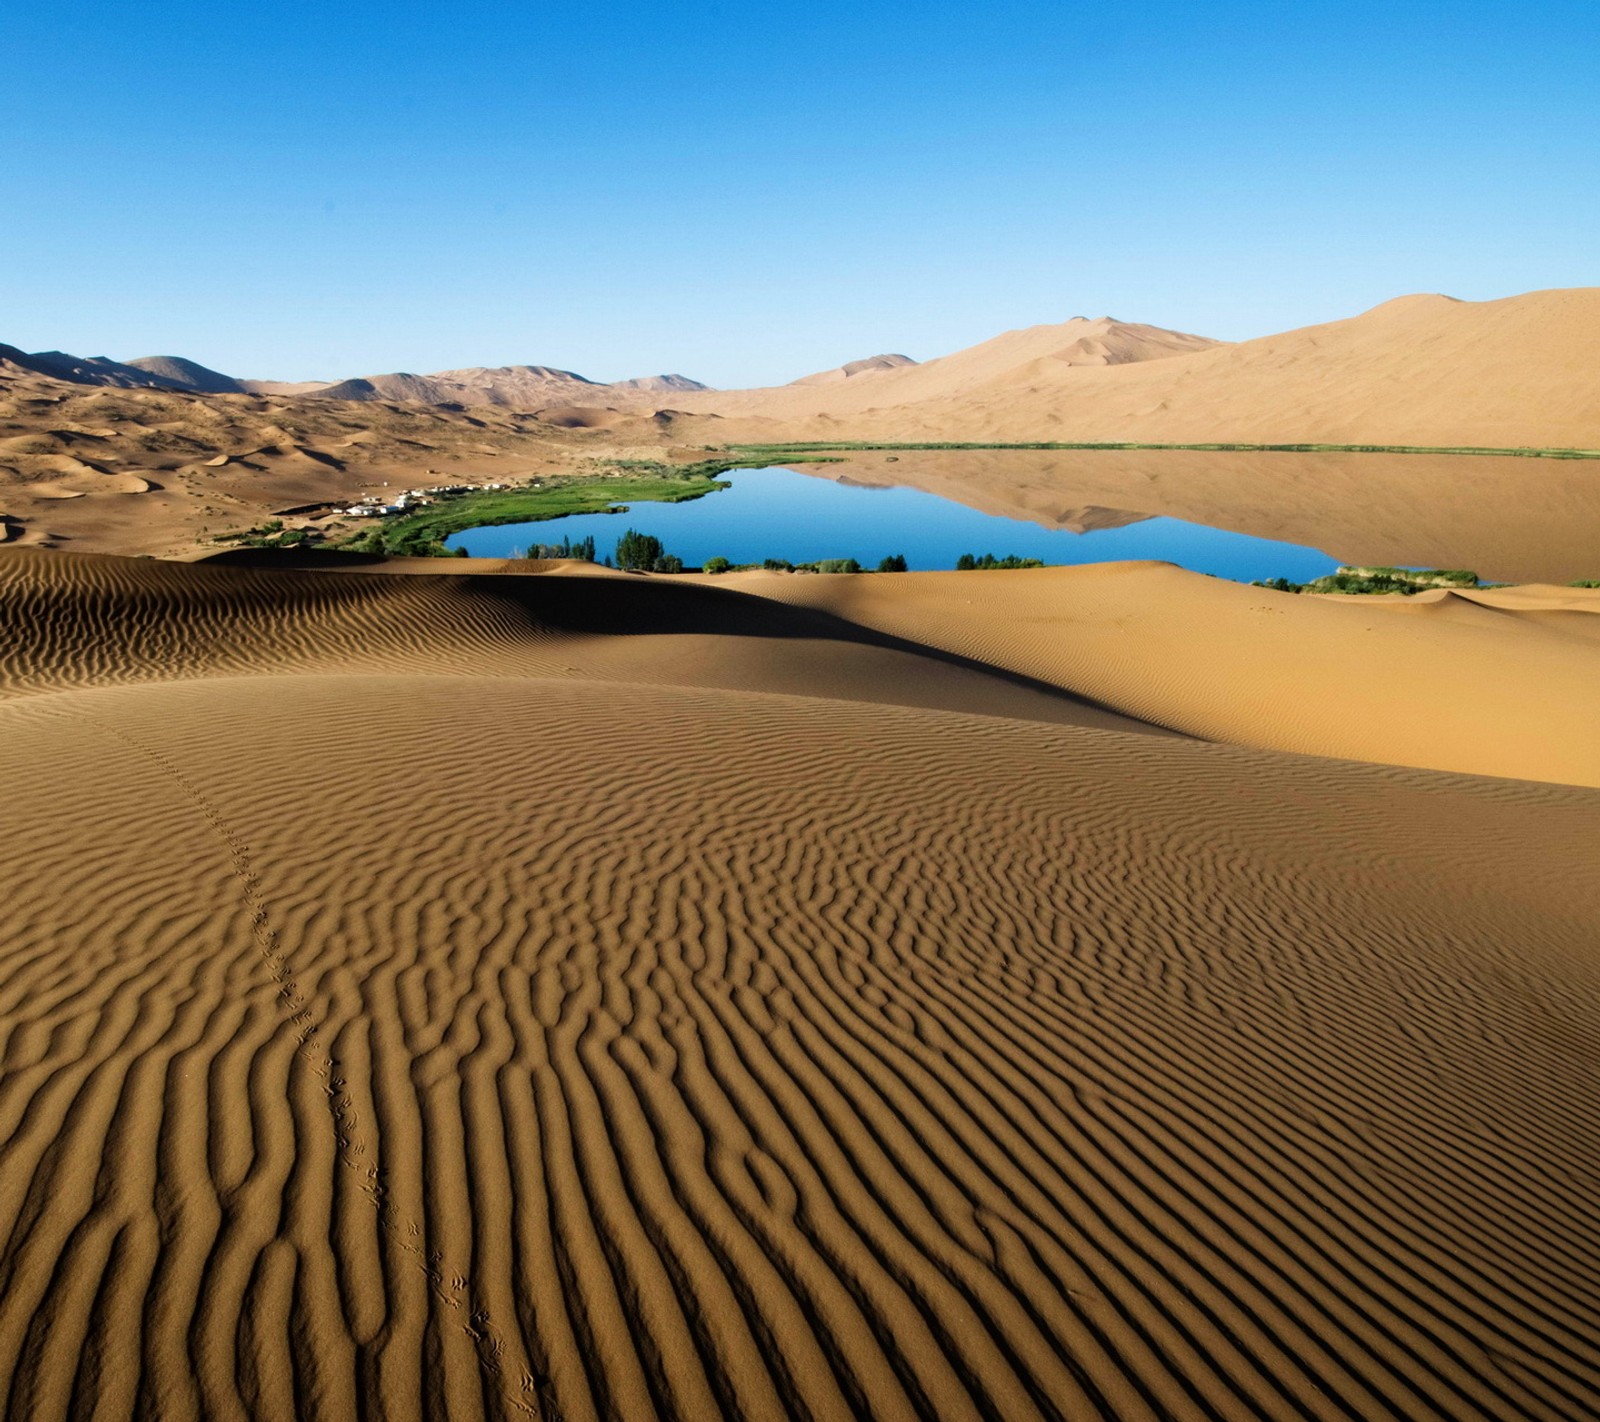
777 513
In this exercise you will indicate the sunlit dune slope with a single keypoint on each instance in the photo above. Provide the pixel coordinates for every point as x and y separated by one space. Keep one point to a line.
1421 370
1491 681
879 382
453 996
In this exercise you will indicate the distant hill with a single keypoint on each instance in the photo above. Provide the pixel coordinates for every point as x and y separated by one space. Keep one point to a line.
188 375
870 366
285 387
514 386
1422 369
86 370
652 384
523 387
397 386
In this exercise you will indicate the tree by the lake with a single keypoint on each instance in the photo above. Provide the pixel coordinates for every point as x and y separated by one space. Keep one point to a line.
967 563
638 552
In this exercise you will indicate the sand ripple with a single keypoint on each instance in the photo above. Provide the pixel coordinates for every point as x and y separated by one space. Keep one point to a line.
392 1042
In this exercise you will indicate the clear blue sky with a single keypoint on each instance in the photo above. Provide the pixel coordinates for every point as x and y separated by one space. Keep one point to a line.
747 192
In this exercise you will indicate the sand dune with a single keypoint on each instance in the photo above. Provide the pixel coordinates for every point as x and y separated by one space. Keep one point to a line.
869 365
884 382
659 384
587 996
1489 681
1424 370
188 374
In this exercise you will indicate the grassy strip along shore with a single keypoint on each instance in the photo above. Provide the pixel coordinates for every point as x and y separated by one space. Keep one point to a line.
621 484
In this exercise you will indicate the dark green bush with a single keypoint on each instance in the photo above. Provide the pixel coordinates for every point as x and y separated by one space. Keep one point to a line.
638 552
966 563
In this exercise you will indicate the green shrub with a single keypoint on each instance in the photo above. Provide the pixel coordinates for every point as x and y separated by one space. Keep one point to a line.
719 564
966 563
582 551
638 552
894 563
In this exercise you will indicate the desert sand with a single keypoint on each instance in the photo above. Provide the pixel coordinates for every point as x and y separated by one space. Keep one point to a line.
206 464
492 992
1420 370
458 989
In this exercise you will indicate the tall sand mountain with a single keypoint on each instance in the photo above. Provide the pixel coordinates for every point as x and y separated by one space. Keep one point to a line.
890 382
1418 370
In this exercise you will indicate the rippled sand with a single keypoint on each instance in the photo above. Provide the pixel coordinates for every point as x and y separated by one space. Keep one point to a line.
581 996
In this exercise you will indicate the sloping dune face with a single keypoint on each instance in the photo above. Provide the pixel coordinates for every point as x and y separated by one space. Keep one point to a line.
1422 370
380 1037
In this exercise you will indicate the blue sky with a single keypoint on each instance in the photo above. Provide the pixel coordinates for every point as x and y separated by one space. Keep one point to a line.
748 192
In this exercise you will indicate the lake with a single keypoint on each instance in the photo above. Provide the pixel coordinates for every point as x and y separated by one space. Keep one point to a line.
777 513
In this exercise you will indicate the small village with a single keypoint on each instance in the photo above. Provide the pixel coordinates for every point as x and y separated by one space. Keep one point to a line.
378 505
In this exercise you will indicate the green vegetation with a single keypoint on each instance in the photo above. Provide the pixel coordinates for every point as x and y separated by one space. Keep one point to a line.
894 563
582 551
718 564
642 553
968 563
638 552
423 532
611 487
787 452
833 565
1377 581
1585 583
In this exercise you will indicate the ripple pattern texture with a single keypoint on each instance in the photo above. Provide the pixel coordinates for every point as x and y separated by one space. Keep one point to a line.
384 1039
